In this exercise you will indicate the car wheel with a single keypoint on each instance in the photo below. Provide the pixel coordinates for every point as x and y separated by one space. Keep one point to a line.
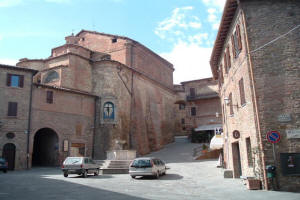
66 174
132 176
4 171
157 175
96 173
84 174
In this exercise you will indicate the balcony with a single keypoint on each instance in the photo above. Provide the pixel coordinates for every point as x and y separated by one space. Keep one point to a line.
202 96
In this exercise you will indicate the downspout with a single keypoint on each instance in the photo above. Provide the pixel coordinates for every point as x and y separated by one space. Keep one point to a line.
94 127
131 100
255 100
29 123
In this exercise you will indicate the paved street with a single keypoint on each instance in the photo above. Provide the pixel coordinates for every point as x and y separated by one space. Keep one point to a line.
187 179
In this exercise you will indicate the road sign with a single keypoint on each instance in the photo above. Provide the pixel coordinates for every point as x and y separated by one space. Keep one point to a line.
273 137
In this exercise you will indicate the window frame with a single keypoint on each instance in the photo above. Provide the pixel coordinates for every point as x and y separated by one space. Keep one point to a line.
9 81
249 152
49 96
231 112
12 109
242 92
193 111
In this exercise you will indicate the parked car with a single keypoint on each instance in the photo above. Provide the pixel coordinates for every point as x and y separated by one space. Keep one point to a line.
147 167
80 165
3 165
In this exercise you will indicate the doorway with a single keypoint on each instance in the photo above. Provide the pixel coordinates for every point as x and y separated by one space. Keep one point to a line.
9 153
45 148
236 157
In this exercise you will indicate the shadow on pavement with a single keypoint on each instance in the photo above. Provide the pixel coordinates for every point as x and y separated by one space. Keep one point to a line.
18 186
165 177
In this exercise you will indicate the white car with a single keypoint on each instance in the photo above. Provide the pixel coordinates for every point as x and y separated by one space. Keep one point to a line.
79 165
147 167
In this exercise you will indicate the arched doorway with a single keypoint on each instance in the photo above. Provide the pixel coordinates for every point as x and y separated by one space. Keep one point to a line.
9 153
45 148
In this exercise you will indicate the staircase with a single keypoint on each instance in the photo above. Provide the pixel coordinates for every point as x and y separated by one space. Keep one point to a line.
114 166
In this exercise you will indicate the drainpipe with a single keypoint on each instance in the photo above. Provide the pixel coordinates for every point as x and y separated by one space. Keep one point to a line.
94 131
131 100
29 123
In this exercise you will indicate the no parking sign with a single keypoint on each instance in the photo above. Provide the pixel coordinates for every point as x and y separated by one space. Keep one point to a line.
273 136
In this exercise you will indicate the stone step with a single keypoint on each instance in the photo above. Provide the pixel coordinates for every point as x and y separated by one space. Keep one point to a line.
115 171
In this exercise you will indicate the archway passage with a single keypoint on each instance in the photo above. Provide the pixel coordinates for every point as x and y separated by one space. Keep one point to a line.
9 153
45 148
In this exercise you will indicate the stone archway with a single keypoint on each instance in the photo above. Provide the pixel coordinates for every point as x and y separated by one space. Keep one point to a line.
45 148
9 153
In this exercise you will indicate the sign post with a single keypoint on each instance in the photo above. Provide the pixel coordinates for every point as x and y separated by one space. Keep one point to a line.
274 137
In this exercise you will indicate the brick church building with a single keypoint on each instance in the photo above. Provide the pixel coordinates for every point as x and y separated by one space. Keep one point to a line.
97 92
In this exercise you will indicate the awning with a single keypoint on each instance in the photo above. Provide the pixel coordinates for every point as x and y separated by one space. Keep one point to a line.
208 127
216 142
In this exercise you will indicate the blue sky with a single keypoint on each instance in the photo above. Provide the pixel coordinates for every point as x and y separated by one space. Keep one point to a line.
182 31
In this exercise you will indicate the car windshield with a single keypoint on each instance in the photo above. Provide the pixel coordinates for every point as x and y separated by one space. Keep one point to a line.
141 163
73 160
2 160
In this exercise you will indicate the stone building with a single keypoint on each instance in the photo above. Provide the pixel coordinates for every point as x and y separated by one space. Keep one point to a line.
99 92
198 107
15 114
256 60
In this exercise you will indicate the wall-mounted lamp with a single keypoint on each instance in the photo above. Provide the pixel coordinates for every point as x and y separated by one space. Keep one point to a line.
228 102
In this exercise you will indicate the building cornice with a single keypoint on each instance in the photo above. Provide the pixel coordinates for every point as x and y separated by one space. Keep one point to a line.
227 17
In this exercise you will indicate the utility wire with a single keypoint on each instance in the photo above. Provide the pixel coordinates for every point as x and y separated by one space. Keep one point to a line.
274 40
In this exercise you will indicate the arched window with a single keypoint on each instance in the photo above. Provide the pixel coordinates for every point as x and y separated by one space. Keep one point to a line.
51 76
108 111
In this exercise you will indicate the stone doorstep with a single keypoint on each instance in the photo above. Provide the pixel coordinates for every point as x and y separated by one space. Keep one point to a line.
115 171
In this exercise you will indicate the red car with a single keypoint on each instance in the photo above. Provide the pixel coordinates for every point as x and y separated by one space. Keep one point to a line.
3 165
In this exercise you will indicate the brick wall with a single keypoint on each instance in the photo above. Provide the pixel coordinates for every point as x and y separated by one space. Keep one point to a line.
17 125
276 74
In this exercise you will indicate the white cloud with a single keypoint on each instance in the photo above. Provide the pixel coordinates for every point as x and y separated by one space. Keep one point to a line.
180 20
198 38
216 25
219 4
8 61
9 3
190 61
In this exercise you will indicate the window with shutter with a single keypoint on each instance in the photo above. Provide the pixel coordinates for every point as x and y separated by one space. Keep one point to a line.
236 42
14 80
12 109
242 91
232 46
225 63
49 97
231 105
193 111
228 58
238 32
192 92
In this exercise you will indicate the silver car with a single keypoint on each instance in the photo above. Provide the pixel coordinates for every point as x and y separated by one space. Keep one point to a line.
147 167
79 165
